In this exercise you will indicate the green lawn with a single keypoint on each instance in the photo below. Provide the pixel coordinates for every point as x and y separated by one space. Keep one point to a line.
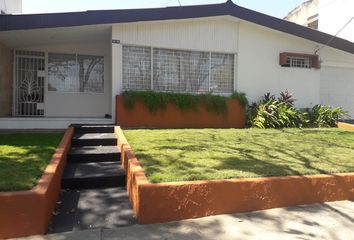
23 158
191 154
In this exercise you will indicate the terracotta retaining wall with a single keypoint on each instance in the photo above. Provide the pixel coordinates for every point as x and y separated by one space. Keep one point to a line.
24 213
347 126
154 203
172 117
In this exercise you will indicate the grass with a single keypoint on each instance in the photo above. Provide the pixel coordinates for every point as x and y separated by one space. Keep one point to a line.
23 158
191 154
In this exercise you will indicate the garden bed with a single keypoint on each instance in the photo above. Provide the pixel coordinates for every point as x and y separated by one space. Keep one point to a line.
28 211
251 165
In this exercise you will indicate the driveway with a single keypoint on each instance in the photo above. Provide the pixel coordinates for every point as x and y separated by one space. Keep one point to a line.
333 220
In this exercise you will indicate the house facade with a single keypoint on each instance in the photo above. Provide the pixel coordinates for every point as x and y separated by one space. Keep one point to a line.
58 69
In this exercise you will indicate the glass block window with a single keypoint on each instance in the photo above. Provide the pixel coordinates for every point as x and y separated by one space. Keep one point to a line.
171 70
75 73
136 68
222 73
180 71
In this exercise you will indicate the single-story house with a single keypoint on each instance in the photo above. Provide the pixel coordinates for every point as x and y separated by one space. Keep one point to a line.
60 68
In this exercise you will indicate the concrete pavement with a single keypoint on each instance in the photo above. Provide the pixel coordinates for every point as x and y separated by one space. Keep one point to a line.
333 220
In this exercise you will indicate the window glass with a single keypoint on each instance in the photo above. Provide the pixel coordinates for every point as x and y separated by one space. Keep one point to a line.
75 73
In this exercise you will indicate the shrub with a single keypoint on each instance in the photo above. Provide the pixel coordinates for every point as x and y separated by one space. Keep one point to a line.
325 116
271 112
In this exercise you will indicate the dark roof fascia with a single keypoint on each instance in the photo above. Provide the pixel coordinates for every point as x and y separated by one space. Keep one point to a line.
53 20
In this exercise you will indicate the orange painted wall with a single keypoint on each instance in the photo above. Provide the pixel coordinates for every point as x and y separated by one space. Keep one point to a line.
176 201
24 213
154 203
347 126
172 117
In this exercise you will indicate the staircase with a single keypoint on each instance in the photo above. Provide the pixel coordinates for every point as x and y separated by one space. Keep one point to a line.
93 183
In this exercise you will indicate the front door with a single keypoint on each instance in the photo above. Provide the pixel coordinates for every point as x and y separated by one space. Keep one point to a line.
29 82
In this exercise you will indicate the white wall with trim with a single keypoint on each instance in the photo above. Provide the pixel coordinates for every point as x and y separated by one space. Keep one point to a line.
257 48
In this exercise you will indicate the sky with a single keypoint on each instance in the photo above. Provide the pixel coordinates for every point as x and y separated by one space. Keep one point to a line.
277 8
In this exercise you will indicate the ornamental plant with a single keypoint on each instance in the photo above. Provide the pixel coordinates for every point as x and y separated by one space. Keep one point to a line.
272 112
325 116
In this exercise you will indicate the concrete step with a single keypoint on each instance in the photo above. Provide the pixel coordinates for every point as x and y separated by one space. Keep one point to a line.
93 175
87 209
93 128
94 154
94 139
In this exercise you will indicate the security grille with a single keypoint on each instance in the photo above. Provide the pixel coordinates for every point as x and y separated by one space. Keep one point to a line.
136 68
29 83
222 73
171 70
180 71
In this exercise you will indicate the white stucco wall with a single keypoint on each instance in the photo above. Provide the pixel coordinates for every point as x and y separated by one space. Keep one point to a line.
338 91
59 104
259 71
208 34
337 79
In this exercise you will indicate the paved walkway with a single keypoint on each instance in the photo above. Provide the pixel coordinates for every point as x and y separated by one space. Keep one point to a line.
333 221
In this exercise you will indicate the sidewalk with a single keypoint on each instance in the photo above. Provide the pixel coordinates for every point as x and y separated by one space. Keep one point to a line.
334 220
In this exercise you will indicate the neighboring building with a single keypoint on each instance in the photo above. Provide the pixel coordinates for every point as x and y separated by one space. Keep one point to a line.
328 16
305 14
10 6
56 69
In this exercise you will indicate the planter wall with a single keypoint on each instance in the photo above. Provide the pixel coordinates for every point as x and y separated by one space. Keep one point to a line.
24 213
343 125
172 117
154 203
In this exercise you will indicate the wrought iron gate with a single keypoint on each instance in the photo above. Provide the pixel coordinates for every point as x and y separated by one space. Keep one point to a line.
29 82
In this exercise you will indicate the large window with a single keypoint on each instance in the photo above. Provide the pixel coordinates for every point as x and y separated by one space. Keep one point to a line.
171 70
75 73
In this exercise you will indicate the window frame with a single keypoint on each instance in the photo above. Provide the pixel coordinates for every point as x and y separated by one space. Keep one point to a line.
314 60
76 58
234 75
